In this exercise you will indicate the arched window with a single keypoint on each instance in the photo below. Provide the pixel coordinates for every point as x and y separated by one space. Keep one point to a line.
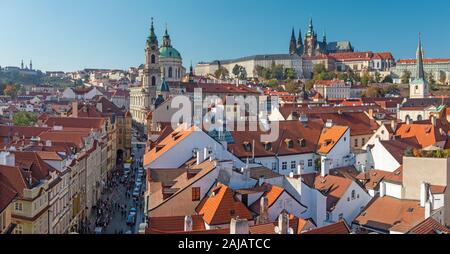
419 118
153 81
153 59
170 72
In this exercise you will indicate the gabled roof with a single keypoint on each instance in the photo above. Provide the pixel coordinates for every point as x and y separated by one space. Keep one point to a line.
330 137
335 229
372 178
334 187
398 147
14 178
7 191
221 206
182 182
173 224
78 122
181 133
426 133
388 213
429 226
291 134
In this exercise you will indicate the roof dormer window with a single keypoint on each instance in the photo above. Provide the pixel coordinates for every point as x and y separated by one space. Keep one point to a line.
247 146
289 143
267 146
302 142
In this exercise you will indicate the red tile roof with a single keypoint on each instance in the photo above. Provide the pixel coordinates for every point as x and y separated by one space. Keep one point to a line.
221 206
78 122
426 60
429 226
337 228
388 213
173 224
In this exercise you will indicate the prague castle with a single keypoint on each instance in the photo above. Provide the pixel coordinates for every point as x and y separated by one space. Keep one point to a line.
302 56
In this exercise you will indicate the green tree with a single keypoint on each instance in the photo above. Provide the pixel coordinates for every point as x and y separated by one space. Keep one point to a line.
292 87
278 72
442 78
377 77
365 78
236 70
290 73
309 84
260 71
10 90
406 76
24 119
372 91
273 83
222 72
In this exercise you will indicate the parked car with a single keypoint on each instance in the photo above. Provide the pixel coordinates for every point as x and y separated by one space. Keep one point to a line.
136 192
131 219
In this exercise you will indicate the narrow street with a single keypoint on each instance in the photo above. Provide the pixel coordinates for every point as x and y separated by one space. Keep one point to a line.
118 201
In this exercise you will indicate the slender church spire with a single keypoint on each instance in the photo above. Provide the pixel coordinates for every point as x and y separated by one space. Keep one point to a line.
419 60
152 39
300 40
324 38
293 44
310 28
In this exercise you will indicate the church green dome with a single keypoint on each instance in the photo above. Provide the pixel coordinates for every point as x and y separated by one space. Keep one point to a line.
169 52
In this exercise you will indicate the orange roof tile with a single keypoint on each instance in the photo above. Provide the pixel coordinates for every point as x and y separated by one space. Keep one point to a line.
337 228
169 142
221 206
329 137
429 226
388 213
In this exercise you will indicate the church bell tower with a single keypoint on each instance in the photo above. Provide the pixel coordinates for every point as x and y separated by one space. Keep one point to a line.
152 71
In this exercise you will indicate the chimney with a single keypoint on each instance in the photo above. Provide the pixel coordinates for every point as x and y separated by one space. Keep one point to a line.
263 213
188 223
199 157
48 143
370 113
205 153
424 189
291 174
75 108
394 125
299 169
427 209
261 180
433 120
382 189
408 120
323 168
99 106
239 226
283 223
7 159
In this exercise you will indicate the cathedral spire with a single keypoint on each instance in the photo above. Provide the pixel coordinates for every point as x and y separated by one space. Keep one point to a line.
300 40
293 44
310 28
324 39
419 60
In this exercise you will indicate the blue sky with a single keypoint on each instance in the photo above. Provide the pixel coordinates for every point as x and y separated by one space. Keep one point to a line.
74 34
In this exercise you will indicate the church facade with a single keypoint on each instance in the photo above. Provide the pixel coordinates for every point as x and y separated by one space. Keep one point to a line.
161 64
311 46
